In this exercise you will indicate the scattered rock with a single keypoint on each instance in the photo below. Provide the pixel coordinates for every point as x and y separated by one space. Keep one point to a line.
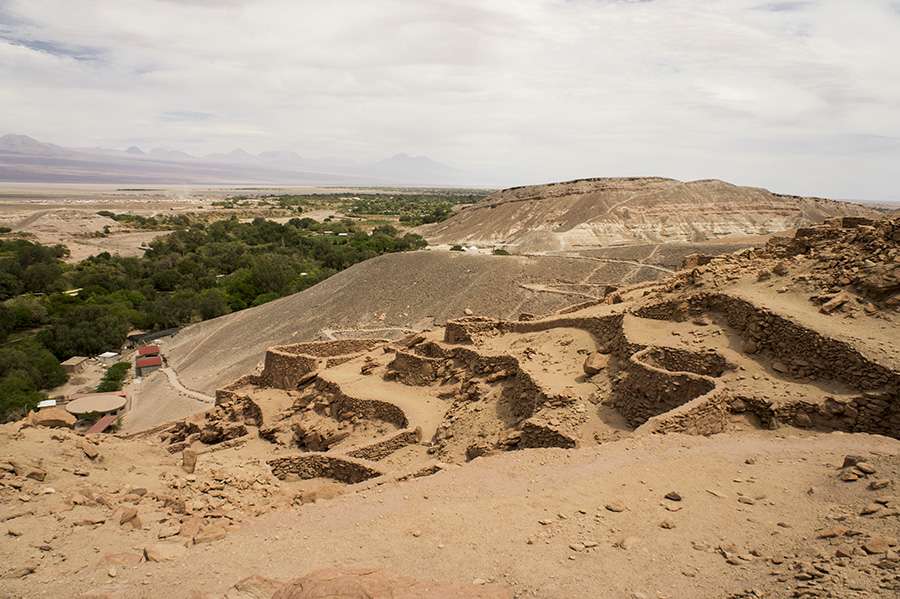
21 572
188 461
367 582
164 552
210 533
190 528
168 530
851 460
876 545
123 559
615 506
128 514
90 450
835 303
254 587
595 363
870 509
627 543
833 532
865 467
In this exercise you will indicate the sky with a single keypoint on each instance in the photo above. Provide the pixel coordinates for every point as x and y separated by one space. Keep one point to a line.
796 96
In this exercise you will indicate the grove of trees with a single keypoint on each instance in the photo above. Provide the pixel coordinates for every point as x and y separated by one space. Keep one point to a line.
199 272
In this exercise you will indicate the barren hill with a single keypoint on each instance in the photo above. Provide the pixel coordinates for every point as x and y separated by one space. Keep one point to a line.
601 212
387 296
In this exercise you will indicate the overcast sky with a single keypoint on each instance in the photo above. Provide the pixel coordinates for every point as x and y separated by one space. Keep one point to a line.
796 96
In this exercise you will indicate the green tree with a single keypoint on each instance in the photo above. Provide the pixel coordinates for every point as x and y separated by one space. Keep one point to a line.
212 303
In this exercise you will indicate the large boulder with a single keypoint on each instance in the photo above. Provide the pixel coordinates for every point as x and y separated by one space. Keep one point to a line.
595 363
53 417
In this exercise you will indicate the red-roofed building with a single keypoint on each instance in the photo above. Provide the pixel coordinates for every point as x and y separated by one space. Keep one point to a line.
148 350
146 365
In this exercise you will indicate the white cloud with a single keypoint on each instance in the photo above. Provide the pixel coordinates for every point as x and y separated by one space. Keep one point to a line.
799 96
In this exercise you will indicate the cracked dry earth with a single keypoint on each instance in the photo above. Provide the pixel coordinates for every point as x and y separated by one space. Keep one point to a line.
728 432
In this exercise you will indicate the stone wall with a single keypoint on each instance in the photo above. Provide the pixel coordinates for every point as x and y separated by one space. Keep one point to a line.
606 330
285 370
463 330
707 363
381 449
232 391
802 351
529 396
342 406
705 415
797 351
288 366
643 391
541 434
866 413
318 465
413 369
325 349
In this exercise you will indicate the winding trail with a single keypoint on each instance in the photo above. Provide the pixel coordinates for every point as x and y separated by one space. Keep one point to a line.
606 260
547 289
34 217
173 380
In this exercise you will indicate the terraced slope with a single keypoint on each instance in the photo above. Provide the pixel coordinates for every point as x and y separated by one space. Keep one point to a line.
601 212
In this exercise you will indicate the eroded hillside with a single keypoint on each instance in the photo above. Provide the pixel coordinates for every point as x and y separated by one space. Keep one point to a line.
593 213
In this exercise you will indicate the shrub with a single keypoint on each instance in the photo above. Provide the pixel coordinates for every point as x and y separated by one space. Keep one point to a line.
114 377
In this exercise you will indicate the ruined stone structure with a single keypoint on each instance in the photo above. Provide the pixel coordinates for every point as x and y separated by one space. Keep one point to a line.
287 366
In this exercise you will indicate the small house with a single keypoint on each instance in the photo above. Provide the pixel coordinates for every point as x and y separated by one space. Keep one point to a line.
146 365
148 350
108 357
74 364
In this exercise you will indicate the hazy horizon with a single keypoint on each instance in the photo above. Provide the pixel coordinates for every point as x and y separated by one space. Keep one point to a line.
795 96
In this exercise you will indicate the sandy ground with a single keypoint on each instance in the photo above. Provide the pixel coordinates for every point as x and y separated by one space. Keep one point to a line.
67 214
84 381
154 401
537 522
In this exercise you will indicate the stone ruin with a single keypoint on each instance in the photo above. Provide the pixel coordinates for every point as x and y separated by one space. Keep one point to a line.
365 410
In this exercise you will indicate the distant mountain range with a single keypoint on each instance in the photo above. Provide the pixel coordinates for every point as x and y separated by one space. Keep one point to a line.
25 159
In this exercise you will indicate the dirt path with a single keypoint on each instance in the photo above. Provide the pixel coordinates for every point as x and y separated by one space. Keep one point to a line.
548 289
335 334
160 398
173 380
663 269
32 218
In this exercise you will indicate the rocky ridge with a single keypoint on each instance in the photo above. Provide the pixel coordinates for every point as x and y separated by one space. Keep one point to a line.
589 213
